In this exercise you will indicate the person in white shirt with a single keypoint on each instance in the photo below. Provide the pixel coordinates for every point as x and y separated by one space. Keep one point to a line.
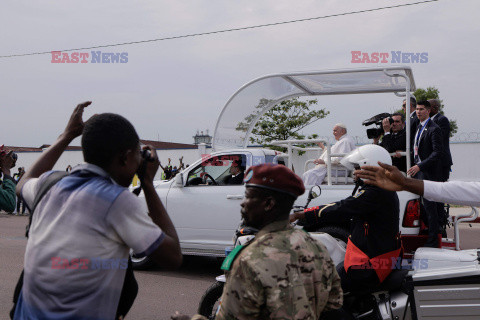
453 192
344 144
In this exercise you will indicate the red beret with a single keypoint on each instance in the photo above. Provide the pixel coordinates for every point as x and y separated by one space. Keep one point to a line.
274 177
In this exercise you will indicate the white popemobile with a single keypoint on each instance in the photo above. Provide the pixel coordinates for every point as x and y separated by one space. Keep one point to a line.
206 211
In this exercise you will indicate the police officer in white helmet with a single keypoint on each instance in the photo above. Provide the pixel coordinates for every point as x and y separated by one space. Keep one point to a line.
374 244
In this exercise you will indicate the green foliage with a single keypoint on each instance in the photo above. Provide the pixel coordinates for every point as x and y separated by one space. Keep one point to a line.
282 122
422 94
433 93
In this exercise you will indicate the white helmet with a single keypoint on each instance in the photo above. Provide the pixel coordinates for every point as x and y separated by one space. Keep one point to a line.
367 155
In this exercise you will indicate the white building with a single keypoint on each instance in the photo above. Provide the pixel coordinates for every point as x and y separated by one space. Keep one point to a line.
73 155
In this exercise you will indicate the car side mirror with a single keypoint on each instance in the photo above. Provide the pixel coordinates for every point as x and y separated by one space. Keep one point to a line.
315 192
179 180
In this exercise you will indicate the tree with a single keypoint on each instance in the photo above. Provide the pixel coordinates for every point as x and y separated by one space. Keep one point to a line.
433 93
282 122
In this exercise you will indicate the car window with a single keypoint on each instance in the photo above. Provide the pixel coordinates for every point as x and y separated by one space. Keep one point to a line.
217 170
269 159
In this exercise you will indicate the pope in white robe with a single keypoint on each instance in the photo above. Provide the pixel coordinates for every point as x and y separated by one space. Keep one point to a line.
344 144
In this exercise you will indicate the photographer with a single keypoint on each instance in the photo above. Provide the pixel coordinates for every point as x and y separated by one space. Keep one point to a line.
7 184
395 139
88 218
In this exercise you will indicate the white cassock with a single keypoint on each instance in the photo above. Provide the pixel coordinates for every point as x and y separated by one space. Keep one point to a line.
316 175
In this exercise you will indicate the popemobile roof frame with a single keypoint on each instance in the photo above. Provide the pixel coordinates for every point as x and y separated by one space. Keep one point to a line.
246 106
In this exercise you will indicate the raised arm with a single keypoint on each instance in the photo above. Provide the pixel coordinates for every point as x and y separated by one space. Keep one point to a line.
47 159
181 166
168 254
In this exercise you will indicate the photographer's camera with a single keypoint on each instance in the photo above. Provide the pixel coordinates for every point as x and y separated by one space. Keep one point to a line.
374 133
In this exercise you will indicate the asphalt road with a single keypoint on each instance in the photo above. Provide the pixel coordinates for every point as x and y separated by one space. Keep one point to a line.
161 292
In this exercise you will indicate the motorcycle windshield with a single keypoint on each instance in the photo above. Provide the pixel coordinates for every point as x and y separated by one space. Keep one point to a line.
251 101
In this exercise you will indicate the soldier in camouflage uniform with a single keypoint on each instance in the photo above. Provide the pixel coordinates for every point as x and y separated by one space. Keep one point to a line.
282 273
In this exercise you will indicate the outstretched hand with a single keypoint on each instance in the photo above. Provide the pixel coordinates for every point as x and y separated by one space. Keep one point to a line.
75 124
386 176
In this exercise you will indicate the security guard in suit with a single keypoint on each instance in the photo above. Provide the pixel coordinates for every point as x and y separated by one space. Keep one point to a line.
374 243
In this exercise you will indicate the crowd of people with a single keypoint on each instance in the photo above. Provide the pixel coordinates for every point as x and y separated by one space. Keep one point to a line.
170 171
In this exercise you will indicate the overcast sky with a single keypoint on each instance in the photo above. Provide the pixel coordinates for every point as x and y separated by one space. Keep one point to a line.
169 89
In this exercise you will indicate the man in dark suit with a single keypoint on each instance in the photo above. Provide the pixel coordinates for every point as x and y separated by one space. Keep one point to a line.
236 173
395 140
444 125
427 155
446 162
413 115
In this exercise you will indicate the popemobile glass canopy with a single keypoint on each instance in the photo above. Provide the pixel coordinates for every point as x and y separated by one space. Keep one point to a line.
251 101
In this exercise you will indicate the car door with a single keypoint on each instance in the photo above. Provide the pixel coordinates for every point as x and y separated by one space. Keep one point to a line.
206 214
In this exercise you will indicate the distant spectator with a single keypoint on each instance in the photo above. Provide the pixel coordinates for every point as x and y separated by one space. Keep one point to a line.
7 183
69 168
18 175
20 203
167 170
176 170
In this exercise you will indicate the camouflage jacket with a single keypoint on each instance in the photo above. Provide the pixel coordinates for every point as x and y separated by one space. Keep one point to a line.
282 274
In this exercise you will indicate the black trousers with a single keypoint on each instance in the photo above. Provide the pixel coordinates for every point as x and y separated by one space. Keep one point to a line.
358 280
20 203
432 214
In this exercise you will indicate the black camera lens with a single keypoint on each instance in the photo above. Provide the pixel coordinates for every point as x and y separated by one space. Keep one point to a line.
146 155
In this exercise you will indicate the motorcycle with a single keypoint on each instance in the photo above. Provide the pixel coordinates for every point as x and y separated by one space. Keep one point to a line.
210 300
435 284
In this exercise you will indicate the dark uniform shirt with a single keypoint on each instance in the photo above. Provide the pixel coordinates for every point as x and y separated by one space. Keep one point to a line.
374 213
